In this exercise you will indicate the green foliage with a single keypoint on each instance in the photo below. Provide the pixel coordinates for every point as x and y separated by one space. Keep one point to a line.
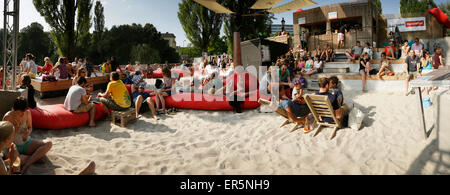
379 6
190 52
99 17
219 46
415 8
67 29
145 54
251 27
120 40
200 24
33 39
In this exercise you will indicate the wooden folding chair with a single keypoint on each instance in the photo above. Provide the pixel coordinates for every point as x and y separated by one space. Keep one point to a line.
321 107
282 113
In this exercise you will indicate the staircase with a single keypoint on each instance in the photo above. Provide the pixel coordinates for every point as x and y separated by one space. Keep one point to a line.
340 57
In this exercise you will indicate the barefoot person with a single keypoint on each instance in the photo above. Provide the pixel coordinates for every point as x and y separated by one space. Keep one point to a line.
142 101
385 65
412 67
116 96
77 100
8 150
30 150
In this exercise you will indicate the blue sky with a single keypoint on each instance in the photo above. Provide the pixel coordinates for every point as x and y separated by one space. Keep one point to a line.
163 14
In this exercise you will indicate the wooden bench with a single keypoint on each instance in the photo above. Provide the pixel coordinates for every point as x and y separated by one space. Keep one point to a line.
122 118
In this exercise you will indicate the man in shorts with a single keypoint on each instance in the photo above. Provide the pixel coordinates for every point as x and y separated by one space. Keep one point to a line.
116 96
356 52
77 100
412 67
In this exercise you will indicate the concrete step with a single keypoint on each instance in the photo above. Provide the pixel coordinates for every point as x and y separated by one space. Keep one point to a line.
336 70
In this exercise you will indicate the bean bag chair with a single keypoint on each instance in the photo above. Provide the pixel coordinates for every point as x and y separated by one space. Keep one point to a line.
56 117
157 74
208 102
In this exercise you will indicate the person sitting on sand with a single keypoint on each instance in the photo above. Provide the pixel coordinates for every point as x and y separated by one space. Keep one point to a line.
116 96
385 65
160 101
8 150
324 85
26 84
77 101
30 150
142 101
297 110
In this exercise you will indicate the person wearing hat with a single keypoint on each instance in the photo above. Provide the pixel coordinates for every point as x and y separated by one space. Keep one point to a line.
297 92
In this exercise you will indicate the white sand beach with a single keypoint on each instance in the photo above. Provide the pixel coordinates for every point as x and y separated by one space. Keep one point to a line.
199 142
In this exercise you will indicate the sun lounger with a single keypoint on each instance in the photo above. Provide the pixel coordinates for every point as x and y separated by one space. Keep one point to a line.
320 107
282 113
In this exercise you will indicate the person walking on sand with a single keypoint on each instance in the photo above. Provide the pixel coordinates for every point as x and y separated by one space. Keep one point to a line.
77 100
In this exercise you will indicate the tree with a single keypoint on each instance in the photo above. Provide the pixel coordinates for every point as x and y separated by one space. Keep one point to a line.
99 18
61 16
33 39
200 24
219 46
379 7
414 8
250 27
145 54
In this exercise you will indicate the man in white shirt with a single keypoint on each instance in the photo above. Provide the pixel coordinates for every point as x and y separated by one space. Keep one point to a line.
77 101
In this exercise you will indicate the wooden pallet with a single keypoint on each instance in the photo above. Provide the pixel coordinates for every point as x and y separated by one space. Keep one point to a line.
122 118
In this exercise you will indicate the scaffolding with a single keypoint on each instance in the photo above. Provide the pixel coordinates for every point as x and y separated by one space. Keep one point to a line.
10 37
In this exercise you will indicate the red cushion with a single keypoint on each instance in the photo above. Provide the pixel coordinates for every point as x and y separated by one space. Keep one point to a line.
56 117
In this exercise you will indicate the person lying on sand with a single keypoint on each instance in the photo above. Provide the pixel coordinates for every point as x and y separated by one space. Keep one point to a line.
30 150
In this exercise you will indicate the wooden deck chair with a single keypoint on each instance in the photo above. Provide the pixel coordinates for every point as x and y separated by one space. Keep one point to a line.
321 107
282 113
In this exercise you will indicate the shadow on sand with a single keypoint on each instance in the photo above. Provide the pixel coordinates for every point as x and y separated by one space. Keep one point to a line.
433 153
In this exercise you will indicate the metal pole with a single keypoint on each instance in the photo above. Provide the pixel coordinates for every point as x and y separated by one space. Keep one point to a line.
15 39
5 40
10 42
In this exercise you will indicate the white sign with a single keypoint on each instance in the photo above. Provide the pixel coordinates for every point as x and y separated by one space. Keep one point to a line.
332 15
302 20
407 24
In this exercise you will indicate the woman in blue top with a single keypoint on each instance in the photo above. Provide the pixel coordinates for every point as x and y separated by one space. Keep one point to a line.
427 66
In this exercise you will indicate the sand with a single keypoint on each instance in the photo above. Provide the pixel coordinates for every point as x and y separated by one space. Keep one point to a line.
199 142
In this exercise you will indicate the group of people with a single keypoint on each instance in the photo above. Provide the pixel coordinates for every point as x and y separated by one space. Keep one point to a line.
18 150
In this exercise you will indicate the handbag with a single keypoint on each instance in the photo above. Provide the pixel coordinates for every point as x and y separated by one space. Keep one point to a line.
48 78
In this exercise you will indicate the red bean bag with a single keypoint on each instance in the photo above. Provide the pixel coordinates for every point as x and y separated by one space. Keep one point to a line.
251 82
157 74
56 117
440 16
182 73
207 102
